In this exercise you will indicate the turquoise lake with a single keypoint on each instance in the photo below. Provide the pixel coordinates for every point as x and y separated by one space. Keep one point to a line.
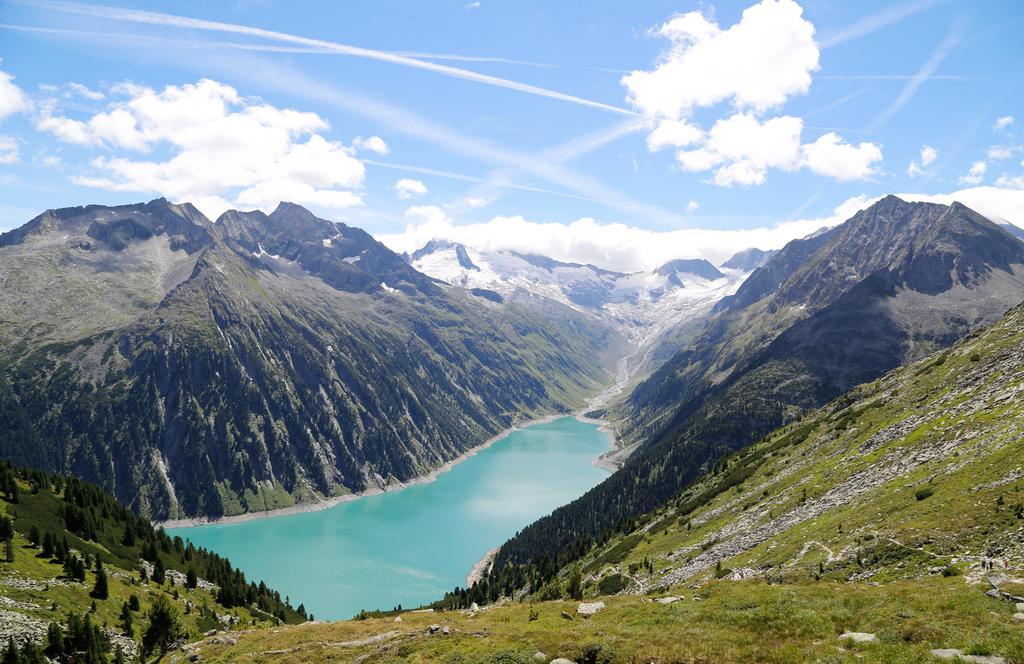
410 546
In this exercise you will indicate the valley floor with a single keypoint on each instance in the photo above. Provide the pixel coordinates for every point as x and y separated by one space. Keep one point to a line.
720 621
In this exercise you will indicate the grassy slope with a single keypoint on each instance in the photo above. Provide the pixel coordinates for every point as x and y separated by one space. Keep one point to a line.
823 520
35 587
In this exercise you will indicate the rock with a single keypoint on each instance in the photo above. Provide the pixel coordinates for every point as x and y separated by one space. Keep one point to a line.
958 655
566 615
667 600
474 607
540 657
444 630
992 592
435 628
562 660
1019 617
398 618
859 637
587 609
1020 606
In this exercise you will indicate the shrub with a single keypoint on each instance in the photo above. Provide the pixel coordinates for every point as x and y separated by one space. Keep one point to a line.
612 584
926 492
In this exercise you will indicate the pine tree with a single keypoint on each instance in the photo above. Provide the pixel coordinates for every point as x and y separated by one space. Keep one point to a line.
126 620
159 572
163 629
191 580
101 589
10 551
11 655
575 585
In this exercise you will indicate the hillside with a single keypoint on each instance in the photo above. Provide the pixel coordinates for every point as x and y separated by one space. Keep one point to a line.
67 534
198 368
862 532
890 285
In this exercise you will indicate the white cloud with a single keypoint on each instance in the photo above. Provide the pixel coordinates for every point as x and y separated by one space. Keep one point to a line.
1000 152
372 144
8 150
473 5
623 247
928 155
756 64
673 133
474 202
976 173
85 91
12 99
408 188
1010 181
832 156
1003 122
226 150
692 206
742 149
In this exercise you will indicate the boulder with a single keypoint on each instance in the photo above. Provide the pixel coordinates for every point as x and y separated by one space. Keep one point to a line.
959 656
445 630
667 600
587 609
398 618
566 615
1019 617
859 637
562 660
435 628
540 656
474 607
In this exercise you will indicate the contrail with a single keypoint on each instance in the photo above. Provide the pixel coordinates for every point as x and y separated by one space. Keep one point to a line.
157 18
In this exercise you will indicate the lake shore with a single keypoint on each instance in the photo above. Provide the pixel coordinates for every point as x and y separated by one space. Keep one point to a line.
610 460
328 503
481 567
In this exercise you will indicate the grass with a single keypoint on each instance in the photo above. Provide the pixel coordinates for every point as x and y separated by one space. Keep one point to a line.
734 621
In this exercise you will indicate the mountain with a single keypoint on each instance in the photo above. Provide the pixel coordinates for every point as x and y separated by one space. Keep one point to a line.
195 368
748 260
893 283
59 527
1013 229
653 310
862 533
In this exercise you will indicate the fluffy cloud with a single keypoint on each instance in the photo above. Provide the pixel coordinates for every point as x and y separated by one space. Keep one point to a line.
85 91
758 63
371 144
1001 152
623 247
8 150
12 99
225 150
755 65
928 155
1003 122
408 188
742 149
673 133
1010 181
976 173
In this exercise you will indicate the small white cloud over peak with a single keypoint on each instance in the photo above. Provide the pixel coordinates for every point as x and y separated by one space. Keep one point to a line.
12 99
1003 122
407 188
928 155
374 144
975 174
833 157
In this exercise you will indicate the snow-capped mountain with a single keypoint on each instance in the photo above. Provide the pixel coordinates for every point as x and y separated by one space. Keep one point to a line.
640 305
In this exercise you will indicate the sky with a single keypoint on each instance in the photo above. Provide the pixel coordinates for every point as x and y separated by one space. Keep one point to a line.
622 134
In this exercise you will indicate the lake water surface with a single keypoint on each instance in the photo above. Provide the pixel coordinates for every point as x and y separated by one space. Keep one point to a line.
408 547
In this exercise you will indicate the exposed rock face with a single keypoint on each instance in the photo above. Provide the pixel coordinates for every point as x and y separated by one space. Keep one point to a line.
587 609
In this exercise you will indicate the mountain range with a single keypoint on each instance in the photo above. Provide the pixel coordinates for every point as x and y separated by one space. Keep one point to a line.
199 368
893 283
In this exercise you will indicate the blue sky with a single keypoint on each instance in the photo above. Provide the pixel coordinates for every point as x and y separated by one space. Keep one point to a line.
742 116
